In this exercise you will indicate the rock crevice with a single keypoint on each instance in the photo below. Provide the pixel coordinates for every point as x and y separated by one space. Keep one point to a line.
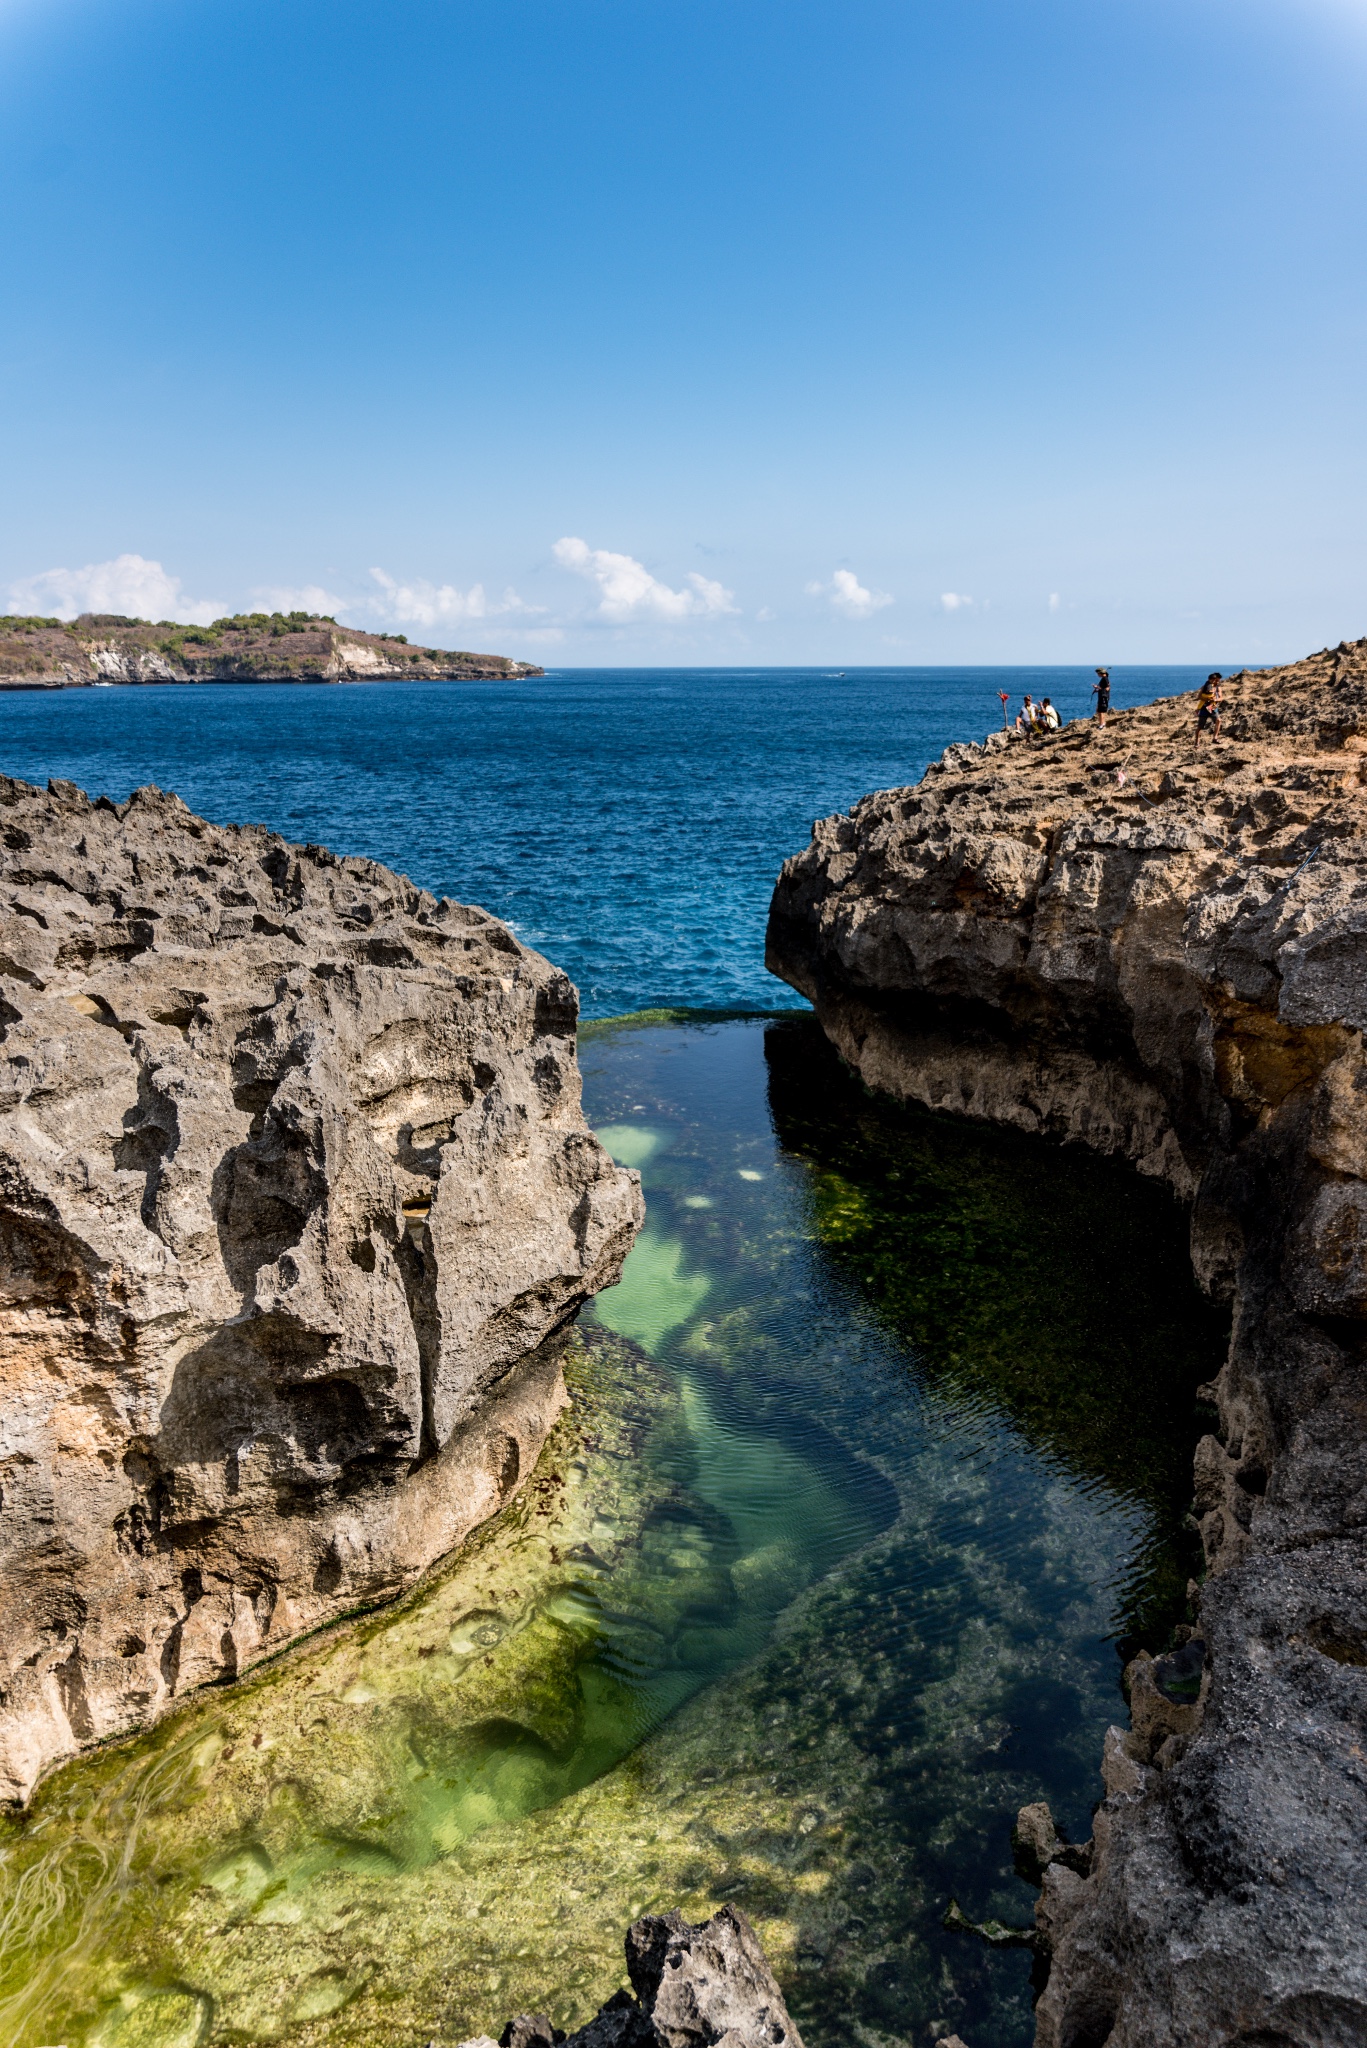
296 1203
1116 939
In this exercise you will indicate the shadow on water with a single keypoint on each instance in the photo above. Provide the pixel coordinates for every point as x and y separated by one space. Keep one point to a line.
1039 1281
879 1442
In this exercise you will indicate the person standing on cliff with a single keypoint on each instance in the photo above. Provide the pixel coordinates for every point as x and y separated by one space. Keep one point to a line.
1209 699
1101 690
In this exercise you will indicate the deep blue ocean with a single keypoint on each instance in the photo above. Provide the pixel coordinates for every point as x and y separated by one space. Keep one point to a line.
627 822
874 1513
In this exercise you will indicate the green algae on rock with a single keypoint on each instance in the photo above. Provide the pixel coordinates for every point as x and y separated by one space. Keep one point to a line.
268 1839
781 1619
1056 1289
364 1759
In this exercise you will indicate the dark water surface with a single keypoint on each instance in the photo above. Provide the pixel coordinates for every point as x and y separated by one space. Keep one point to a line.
629 823
875 1452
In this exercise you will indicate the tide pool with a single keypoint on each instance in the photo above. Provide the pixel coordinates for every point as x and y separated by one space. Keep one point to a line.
873 1457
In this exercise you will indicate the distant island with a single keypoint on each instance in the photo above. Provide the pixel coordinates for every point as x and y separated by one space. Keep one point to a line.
251 647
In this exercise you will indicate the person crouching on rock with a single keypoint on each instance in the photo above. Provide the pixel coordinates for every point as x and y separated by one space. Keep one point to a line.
1101 690
1048 717
1027 718
1209 699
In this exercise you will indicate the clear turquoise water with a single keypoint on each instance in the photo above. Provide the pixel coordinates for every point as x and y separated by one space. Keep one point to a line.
879 1450
629 823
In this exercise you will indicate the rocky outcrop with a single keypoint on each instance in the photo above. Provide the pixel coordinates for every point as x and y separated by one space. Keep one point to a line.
252 647
1118 939
296 1203
703 1986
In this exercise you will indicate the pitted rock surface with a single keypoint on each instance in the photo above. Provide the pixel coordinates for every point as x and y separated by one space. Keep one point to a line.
707 1983
296 1196
703 1985
1159 950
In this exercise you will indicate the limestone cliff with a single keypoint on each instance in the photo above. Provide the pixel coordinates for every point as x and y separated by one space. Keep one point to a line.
252 647
296 1196
1117 939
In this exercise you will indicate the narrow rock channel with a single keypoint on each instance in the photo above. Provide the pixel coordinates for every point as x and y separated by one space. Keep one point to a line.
817 1582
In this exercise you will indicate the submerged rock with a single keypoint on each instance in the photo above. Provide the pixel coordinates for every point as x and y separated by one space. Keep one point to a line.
529 2030
1113 938
296 1203
703 1986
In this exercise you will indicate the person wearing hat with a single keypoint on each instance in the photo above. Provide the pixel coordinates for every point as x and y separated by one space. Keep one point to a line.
1101 690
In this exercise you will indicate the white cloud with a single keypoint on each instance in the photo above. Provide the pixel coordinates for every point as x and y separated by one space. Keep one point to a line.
420 603
129 584
765 616
1054 600
848 595
954 601
629 591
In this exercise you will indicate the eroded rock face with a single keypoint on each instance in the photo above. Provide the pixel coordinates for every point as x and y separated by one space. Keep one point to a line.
697 1985
296 1198
1117 939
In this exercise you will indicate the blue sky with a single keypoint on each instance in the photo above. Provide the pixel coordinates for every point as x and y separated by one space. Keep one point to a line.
634 331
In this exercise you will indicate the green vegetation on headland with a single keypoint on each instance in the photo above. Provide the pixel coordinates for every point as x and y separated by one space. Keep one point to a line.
106 647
